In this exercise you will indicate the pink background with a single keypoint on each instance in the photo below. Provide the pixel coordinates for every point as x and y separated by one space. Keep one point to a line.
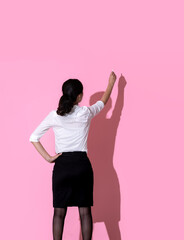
136 143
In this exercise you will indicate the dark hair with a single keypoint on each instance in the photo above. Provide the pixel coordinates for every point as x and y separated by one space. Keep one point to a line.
71 89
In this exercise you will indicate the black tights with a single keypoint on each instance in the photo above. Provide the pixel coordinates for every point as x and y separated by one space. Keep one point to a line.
85 219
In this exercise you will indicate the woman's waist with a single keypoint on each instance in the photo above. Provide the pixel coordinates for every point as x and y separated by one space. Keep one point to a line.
72 158
74 153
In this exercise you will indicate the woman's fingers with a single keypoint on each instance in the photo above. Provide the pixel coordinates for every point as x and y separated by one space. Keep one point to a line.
53 158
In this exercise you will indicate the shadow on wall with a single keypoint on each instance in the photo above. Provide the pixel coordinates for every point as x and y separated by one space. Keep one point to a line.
101 143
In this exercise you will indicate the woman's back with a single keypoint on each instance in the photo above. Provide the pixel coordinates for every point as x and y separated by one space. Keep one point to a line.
70 130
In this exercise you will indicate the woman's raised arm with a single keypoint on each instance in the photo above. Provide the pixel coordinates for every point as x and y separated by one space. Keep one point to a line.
109 88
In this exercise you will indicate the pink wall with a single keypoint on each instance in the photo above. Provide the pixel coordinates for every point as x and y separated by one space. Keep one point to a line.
139 164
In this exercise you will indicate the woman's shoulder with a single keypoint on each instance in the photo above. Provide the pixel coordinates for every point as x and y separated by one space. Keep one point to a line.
97 103
82 110
75 112
85 110
53 113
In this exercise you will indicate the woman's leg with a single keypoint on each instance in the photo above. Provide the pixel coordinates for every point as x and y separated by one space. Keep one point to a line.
58 222
86 222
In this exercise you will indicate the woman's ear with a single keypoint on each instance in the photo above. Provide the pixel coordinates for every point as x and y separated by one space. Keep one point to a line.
80 97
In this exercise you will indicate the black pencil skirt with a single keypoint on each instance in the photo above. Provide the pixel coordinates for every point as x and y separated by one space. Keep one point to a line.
72 180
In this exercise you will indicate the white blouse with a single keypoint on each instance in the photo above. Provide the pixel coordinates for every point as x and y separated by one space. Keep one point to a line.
71 130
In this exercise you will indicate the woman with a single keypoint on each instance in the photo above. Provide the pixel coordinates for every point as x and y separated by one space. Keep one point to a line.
72 176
